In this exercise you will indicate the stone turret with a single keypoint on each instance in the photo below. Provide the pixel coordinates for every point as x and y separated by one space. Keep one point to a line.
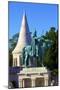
23 40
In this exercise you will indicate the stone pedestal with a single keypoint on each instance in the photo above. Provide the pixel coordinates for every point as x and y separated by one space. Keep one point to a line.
33 77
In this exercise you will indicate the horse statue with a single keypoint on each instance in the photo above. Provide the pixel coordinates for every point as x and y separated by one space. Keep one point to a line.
34 51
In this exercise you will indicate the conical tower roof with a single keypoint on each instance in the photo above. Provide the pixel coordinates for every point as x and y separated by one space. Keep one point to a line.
24 36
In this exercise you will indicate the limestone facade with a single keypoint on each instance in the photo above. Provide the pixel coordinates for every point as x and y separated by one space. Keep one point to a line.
28 77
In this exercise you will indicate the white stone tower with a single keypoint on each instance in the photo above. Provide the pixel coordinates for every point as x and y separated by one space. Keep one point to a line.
23 40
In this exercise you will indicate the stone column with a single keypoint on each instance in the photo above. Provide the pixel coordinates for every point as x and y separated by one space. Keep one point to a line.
18 60
46 81
33 82
20 83
23 84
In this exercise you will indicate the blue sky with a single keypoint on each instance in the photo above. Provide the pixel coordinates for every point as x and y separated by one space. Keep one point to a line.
40 17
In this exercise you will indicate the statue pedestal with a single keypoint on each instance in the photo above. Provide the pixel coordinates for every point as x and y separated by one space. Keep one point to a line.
34 77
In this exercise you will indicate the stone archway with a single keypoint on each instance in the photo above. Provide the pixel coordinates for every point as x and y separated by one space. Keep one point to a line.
26 82
39 82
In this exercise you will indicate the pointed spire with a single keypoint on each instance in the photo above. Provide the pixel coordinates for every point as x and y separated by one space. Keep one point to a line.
24 35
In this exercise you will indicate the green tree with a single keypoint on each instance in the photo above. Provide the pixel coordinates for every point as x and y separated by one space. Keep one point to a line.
51 55
12 44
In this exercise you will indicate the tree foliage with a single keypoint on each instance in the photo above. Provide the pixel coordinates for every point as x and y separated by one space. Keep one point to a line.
51 55
12 44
